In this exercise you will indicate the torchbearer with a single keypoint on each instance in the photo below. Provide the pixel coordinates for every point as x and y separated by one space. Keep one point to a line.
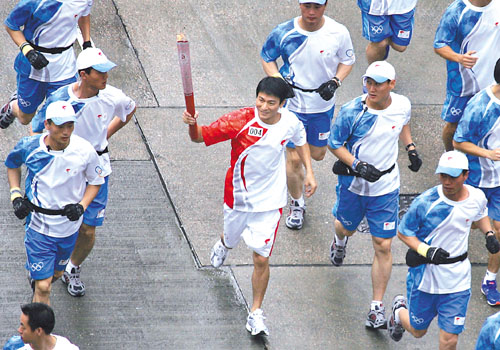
255 186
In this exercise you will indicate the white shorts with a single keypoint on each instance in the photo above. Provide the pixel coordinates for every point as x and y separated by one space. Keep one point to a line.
257 229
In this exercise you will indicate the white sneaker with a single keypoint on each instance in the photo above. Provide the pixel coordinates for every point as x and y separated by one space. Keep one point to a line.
76 287
218 254
295 218
255 323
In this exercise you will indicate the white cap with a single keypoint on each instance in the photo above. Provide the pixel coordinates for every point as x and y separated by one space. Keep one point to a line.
321 2
452 163
380 71
60 112
95 58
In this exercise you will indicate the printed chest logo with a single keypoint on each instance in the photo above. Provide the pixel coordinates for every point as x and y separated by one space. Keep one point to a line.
254 131
71 172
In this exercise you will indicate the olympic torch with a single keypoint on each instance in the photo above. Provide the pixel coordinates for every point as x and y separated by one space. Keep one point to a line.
187 81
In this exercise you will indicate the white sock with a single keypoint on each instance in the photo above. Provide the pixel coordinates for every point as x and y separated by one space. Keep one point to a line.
70 266
300 201
490 276
396 315
376 303
340 242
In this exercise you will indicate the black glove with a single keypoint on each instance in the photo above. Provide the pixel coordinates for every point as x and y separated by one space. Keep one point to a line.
368 171
21 207
437 255
327 90
492 244
415 160
86 45
73 211
37 60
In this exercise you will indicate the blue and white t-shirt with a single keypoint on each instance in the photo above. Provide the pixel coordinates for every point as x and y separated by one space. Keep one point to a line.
441 222
55 179
386 7
49 24
480 125
94 115
309 59
371 136
465 27
489 336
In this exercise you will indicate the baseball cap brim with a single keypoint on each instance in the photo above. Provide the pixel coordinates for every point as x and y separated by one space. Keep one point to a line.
62 120
453 172
320 2
378 78
104 67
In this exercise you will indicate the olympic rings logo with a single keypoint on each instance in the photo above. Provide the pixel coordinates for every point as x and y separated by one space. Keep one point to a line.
417 320
344 221
377 29
37 266
23 102
455 111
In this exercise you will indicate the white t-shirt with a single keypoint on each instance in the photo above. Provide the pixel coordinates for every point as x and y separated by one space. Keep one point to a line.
465 27
55 179
61 344
256 179
441 222
372 136
94 115
49 24
480 125
309 59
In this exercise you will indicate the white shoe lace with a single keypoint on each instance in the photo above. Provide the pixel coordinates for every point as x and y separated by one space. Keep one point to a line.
74 278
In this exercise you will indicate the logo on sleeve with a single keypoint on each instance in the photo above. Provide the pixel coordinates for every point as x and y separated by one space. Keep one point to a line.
129 105
254 131
98 171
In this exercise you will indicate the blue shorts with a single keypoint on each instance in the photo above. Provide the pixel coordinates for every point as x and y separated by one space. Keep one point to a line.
450 309
398 27
94 214
381 211
31 93
317 127
493 196
47 254
453 108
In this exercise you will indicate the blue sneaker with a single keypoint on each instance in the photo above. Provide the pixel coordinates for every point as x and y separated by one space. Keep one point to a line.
491 293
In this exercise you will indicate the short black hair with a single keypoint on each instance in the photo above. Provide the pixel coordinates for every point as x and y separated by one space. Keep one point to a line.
39 315
275 87
497 71
86 70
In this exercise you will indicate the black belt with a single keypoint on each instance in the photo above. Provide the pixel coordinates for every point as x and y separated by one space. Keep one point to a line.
100 153
46 211
414 259
301 89
54 50
387 171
